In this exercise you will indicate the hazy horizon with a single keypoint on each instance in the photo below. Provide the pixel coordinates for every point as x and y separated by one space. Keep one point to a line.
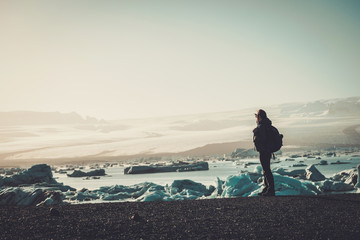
252 109
135 59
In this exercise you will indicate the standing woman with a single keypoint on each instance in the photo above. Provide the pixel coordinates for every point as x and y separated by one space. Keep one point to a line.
263 143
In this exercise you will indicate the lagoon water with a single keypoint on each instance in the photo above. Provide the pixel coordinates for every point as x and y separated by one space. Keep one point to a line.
221 169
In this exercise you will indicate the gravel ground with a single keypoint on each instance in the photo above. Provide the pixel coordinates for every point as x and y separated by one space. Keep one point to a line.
281 217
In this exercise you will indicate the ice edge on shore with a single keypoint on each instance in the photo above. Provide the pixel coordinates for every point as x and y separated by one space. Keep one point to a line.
36 186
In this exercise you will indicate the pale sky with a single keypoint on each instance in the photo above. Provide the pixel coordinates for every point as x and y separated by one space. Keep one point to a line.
125 59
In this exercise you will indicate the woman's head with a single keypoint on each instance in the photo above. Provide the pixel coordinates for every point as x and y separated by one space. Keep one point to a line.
261 114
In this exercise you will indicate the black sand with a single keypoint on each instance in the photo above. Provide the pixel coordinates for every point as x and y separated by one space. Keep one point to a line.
281 217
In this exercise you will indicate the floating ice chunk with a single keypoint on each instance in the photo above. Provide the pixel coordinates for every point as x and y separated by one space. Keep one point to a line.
291 186
118 192
187 194
218 188
178 190
238 186
138 170
339 162
78 173
52 198
349 176
53 187
323 162
154 196
155 193
36 174
190 187
140 192
290 159
335 186
293 173
182 167
35 186
299 165
313 174
85 196
116 196
357 185
29 196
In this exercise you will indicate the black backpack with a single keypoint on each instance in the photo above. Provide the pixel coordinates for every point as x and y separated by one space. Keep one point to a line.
276 139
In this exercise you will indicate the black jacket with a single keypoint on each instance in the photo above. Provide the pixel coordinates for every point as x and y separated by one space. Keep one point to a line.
261 136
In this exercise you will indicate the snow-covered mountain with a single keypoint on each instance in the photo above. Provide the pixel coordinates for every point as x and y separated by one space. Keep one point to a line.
318 123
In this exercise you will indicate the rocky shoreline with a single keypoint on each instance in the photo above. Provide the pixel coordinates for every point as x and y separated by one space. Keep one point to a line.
280 217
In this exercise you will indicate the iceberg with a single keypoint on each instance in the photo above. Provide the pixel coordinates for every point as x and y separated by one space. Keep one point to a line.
78 173
151 195
189 189
335 186
238 186
35 186
357 185
338 162
117 192
120 192
83 196
293 173
155 193
198 166
29 197
243 186
349 176
218 190
36 174
291 186
147 191
323 162
313 174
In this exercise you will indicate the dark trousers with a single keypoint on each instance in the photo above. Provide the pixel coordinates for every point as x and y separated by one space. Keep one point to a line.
268 176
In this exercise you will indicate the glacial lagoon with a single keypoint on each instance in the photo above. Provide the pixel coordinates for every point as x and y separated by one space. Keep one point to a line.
221 169
236 178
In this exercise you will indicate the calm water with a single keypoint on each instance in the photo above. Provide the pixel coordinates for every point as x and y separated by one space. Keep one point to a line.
221 169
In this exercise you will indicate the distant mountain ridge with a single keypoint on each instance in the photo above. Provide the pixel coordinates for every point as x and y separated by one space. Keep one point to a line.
330 107
45 118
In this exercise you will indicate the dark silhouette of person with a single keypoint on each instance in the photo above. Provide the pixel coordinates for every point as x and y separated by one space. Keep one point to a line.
263 145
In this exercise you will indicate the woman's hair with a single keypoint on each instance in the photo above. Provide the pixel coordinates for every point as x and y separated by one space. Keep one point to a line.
262 114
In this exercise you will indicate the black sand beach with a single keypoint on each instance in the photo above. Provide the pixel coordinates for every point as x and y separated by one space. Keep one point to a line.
280 217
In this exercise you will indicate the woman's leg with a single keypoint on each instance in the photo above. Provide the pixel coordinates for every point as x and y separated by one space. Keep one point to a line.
265 158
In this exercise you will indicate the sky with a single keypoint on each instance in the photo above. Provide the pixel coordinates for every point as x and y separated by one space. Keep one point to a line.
128 59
